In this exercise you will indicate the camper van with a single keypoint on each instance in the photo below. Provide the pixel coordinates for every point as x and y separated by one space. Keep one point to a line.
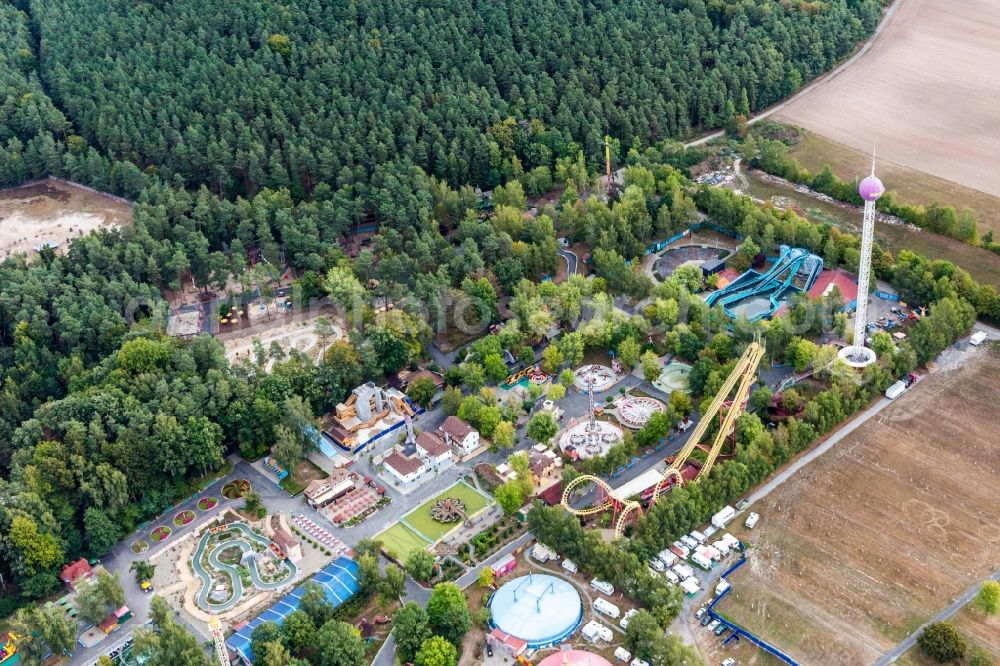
668 557
605 607
751 520
683 570
542 553
603 587
689 542
977 338
594 631
570 566
671 576
702 561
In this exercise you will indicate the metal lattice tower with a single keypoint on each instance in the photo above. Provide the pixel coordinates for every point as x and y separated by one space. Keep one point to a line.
221 652
857 355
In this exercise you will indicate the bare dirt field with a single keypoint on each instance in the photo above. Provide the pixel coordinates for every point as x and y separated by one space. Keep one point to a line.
925 93
299 335
863 545
53 212
913 186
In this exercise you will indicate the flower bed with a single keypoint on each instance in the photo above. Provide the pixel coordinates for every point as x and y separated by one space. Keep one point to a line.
160 533
236 489
139 546
207 503
183 518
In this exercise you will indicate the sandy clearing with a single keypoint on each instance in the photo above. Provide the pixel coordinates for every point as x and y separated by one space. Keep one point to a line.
54 212
925 93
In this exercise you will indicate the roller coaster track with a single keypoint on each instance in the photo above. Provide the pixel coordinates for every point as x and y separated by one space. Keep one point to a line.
743 376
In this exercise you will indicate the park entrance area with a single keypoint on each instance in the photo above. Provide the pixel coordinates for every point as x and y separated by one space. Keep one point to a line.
431 521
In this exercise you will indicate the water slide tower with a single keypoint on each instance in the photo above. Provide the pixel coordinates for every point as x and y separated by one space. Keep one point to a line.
857 355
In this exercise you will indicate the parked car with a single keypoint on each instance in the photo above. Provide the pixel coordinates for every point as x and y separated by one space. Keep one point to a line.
721 629
713 624
752 520
699 613
729 661
705 620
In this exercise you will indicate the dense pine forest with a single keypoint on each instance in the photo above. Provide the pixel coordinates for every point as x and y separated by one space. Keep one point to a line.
245 94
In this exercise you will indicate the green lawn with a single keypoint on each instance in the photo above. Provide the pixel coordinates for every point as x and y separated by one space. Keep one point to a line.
421 519
399 540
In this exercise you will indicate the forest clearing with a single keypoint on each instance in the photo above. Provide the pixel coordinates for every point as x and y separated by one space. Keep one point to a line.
902 94
860 547
53 212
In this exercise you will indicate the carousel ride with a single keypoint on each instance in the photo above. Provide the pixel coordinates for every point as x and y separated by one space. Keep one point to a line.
741 378
590 438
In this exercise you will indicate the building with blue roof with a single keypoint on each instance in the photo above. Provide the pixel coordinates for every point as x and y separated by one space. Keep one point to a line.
340 581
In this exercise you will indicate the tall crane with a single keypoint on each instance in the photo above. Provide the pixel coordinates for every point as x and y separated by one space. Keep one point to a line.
607 166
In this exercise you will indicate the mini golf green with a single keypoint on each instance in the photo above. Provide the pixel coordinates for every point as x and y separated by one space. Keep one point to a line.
183 518
160 533
673 378
207 503
399 541
422 520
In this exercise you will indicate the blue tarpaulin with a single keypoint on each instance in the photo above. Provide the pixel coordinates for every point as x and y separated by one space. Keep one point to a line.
340 581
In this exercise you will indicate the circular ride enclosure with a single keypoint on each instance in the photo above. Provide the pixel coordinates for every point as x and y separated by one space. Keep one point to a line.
634 411
602 376
540 609
574 658
673 378
587 443
672 259
221 581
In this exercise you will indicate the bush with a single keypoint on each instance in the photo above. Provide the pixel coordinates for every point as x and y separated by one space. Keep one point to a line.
942 642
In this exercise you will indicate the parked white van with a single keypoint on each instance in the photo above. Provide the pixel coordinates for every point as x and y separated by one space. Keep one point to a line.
621 654
605 607
751 520
570 566
603 587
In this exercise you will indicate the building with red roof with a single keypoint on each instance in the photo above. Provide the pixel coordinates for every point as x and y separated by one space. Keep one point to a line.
844 281
75 572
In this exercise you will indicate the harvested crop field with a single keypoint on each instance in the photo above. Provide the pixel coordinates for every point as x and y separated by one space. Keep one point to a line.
913 186
53 212
864 544
926 91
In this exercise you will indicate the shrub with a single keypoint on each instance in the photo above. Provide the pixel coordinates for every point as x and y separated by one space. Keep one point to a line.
942 642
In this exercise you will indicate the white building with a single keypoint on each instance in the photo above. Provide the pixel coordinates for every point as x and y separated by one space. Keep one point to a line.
433 451
458 434
404 470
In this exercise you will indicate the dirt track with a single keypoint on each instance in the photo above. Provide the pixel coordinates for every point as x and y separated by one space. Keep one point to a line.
925 92
862 545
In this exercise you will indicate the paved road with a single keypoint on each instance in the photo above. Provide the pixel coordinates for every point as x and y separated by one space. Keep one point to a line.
571 261
911 640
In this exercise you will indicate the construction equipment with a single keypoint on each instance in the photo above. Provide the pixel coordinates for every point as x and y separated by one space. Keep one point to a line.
740 378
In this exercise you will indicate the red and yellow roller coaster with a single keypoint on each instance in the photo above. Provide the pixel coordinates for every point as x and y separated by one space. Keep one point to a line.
741 378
